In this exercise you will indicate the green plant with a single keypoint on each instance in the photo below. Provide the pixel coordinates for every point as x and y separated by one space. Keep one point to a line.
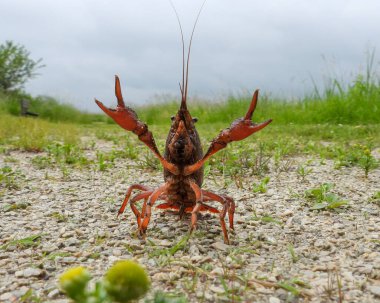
355 155
322 198
293 254
168 252
16 67
15 206
31 241
8 178
59 216
126 281
69 154
303 171
375 198
261 187
267 219
30 297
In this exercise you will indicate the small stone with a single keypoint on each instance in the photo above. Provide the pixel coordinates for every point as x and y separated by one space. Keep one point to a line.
366 269
19 273
112 259
33 272
217 271
220 246
274 300
375 290
165 243
194 250
217 289
287 213
117 252
21 291
53 294
8 296
68 260
196 258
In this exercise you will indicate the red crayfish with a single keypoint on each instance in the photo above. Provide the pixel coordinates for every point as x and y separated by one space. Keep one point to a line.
183 160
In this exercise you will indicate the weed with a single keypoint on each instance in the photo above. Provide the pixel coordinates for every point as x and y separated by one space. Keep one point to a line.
164 255
160 297
94 256
41 162
323 199
59 217
9 178
146 161
55 255
303 171
31 241
11 160
293 254
334 285
30 297
69 154
261 187
267 219
102 165
375 198
15 206
355 155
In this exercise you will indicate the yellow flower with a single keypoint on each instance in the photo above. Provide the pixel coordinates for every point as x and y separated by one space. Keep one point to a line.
126 281
74 281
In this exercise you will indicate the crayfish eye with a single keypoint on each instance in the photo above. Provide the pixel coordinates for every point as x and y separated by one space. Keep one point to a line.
172 118
195 119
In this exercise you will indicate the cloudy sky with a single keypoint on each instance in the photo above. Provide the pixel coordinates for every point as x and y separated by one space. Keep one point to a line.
277 46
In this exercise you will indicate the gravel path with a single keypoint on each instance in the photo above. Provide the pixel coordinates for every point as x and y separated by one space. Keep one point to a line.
279 242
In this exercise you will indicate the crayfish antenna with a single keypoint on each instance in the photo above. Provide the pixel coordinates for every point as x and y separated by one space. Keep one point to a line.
185 69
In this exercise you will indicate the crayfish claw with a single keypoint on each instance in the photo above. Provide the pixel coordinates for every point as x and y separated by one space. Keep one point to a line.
252 106
119 96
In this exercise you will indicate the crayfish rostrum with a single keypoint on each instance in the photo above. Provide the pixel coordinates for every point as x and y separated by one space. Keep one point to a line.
183 161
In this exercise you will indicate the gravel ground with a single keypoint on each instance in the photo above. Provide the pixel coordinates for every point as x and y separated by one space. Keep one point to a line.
76 218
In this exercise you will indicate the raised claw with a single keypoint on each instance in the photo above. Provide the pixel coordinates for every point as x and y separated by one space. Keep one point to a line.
243 127
123 115
240 129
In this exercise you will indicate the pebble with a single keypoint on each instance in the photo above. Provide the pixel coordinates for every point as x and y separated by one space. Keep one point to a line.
8 296
53 294
374 290
217 289
33 272
274 300
220 246
117 252
217 271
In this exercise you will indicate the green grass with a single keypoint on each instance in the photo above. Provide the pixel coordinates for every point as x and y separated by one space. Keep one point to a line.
357 103
47 108
34 134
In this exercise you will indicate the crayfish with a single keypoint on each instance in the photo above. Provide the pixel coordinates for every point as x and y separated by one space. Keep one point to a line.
183 160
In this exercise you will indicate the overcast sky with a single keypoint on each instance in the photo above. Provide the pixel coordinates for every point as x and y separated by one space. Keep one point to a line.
277 46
